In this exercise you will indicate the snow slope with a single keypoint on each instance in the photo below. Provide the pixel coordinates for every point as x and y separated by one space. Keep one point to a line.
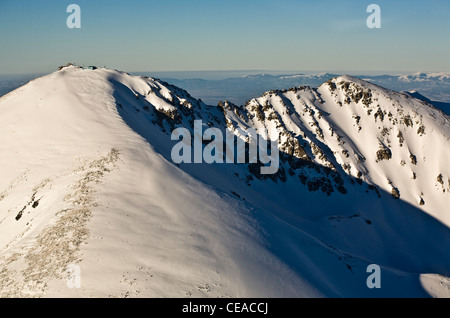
87 179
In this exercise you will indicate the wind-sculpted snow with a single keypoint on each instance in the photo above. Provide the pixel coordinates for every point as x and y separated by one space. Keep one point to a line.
58 244
88 180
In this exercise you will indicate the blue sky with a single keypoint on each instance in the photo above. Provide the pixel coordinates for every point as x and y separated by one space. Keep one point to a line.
180 35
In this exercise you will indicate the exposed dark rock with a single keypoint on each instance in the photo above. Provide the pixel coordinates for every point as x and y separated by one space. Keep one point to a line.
384 154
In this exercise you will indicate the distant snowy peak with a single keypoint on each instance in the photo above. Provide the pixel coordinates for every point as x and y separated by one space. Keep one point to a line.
421 76
321 76
418 76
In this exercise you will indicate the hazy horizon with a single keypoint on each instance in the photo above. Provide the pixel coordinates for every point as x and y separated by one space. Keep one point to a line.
222 74
178 36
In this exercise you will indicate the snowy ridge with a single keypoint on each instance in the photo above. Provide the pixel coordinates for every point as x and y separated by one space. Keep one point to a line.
88 180
368 132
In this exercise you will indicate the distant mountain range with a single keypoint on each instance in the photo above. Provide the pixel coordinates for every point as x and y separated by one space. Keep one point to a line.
238 90
88 181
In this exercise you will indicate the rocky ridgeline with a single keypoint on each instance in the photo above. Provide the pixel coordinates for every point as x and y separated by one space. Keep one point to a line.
315 149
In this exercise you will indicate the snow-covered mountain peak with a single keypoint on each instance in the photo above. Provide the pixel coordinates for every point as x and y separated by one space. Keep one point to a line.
381 137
